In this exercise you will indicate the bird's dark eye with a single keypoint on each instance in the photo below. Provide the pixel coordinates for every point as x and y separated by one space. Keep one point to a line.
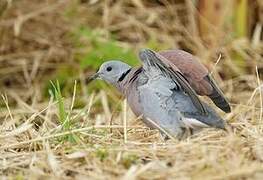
109 69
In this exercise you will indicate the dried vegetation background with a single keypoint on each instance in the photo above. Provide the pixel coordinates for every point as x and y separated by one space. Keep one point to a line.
70 131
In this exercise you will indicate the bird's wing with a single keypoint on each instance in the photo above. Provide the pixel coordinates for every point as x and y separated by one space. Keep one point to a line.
151 59
191 68
197 75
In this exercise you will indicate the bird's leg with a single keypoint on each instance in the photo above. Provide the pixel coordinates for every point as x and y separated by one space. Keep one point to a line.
191 131
183 134
163 136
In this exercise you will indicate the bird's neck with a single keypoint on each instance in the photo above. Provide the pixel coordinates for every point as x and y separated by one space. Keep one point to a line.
127 79
124 75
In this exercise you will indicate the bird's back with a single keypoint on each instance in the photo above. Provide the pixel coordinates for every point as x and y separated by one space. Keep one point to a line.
186 62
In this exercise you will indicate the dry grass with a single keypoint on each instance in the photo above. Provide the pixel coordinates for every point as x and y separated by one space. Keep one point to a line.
34 146
108 142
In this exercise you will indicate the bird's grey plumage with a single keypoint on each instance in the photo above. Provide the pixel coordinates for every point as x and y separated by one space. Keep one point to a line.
160 94
164 67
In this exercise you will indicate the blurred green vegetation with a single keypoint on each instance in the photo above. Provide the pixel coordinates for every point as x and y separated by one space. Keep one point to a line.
240 18
100 50
95 45
240 29
92 49
91 33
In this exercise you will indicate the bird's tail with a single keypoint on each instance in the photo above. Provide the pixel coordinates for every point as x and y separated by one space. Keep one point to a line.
218 98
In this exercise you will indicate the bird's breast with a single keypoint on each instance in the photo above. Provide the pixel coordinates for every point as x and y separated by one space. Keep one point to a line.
133 100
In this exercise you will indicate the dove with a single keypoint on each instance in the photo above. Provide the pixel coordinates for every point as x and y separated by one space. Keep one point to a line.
160 93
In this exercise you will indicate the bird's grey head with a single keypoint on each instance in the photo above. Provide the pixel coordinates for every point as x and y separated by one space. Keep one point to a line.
112 72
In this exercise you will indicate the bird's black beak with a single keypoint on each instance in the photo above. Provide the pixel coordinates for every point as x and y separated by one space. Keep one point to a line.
91 78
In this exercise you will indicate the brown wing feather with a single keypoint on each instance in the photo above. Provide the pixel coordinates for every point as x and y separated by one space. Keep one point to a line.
197 75
191 68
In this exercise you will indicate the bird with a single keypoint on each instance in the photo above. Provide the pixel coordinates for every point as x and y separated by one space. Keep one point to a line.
164 96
